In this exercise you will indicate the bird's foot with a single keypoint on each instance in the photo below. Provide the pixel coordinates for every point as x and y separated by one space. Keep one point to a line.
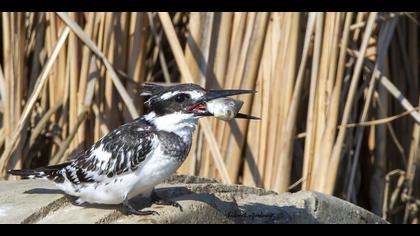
130 210
79 202
165 202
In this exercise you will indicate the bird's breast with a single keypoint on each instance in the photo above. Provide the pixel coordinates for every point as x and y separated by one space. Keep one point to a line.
154 171
174 146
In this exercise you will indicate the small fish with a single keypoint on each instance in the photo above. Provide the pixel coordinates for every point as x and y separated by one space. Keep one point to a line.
224 108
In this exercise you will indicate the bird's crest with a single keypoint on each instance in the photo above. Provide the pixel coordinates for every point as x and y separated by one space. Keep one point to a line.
149 89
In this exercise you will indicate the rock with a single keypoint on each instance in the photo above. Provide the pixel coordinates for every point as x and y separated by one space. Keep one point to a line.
202 200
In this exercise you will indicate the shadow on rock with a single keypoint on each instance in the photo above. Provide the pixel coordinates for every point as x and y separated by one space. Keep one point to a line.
44 191
227 206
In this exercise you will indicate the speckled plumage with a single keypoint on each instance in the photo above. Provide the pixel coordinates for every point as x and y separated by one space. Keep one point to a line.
117 162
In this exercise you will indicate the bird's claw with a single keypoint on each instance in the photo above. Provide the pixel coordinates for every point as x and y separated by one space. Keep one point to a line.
143 213
168 203
130 210
164 202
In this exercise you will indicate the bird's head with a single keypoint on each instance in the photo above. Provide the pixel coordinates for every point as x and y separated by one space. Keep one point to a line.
187 100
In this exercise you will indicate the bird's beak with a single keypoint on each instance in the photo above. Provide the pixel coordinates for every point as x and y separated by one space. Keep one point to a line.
215 100
214 94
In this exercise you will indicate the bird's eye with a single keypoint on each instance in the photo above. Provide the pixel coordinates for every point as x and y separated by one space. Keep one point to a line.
181 97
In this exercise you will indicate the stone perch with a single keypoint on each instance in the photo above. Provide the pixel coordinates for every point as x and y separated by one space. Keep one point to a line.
203 201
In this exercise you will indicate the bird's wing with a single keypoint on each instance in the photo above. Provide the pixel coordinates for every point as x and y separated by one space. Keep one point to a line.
116 153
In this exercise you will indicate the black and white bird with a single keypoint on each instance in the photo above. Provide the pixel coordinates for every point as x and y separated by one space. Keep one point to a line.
132 159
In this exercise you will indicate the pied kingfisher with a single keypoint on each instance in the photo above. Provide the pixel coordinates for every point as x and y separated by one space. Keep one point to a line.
132 159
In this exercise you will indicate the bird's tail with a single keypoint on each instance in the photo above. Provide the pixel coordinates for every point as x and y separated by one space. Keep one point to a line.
50 172
28 173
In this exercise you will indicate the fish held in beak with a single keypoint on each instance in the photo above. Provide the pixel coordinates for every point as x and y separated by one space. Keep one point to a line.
216 103
227 108
224 108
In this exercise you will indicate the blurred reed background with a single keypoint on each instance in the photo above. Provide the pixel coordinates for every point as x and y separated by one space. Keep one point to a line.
338 95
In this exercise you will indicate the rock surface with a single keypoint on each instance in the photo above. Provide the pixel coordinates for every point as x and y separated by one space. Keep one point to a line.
203 201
